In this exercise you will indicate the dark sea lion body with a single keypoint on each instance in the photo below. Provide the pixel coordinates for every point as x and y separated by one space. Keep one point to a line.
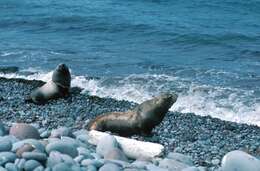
56 88
140 120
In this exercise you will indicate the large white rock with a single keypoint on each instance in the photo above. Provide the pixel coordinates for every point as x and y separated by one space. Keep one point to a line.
240 161
132 148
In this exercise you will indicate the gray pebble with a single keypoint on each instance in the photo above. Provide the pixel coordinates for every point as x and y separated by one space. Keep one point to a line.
39 168
91 168
5 145
11 167
30 165
45 134
62 131
62 147
37 144
115 154
181 158
6 157
172 164
96 163
61 167
34 156
105 144
110 167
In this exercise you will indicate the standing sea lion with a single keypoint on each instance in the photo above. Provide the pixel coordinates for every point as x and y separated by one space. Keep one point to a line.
56 88
140 120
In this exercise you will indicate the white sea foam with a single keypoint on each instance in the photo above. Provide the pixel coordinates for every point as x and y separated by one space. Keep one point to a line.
220 102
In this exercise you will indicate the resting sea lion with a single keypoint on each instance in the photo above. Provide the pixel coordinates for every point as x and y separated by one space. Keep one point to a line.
140 120
56 88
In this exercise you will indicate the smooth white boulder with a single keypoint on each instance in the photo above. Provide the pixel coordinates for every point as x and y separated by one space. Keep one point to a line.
132 148
240 161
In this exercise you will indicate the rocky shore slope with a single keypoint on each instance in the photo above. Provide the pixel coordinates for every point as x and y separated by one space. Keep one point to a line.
205 139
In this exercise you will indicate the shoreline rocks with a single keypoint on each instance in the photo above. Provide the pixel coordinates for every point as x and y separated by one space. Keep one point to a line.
68 153
206 143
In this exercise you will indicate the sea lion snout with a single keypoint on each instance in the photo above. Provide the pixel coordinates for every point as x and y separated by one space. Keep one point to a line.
169 98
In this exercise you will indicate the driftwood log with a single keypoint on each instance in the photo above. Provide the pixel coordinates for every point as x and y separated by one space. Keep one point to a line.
132 148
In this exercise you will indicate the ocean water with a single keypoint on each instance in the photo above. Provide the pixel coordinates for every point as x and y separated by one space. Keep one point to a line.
206 51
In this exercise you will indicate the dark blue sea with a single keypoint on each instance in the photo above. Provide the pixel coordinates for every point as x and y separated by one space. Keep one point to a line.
206 51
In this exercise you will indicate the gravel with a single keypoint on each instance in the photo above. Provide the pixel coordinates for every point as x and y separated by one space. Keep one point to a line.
205 139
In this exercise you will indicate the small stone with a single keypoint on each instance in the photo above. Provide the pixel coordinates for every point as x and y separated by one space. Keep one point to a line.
61 167
24 148
30 165
152 167
215 162
96 163
192 168
34 156
20 163
5 145
240 161
6 157
45 134
35 143
2 169
62 147
105 144
140 164
24 131
57 157
62 131
110 167
2 128
115 154
181 158
172 164
39 168
11 167
83 138
91 168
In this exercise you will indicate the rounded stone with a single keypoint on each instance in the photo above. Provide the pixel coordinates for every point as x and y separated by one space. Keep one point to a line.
24 131
35 143
30 165
34 156
62 131
110 167
6 157
11 167
91 168
5 145
115 154
105 144
192 168
96 163
57 157
172 164
45 134
62 147
24 148
2 129
20 163
240 161
39 168
61 167
181 158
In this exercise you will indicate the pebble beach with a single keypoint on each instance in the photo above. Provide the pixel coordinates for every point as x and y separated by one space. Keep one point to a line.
190 141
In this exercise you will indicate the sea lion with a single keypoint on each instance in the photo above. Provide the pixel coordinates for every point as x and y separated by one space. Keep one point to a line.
56 88
141 120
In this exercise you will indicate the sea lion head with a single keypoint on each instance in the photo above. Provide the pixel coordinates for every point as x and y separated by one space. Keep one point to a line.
61 76
166 100
152 111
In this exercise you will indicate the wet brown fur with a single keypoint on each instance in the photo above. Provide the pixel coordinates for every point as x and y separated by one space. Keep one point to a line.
140 120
